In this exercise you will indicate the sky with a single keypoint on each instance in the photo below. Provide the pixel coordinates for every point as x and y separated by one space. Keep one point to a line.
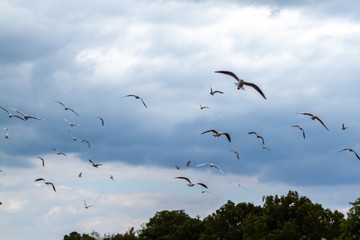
90 55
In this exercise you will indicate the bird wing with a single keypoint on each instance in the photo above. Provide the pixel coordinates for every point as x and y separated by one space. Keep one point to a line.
73 111
321 122
229 73
185 178
102 120
218 169
5 110
201 184
308 114
211 130
228 136
253 133
357 155
202 164
255 87
60 103
303 133
143 102
84 140
91 161
262 139
39 179
51 185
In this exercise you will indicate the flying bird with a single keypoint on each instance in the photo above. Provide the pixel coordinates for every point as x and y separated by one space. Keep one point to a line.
137 97
300 129
258 136
59 153
240 82
47 183
350 150
87 206
102 120
188 163
42 160
70 123
203 107
177 167
80 174
190 184
73 137
95 164
237 154
67 108
343 127
211 165
7 136
218 134
313 117
25 116
11 115
213 92
111 177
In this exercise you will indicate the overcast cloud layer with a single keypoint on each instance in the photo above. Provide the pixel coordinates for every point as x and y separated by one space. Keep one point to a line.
90 54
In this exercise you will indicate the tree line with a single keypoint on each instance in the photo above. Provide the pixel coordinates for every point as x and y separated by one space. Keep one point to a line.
289 217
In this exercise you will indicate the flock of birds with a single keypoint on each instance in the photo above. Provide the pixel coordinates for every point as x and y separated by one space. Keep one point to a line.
240 84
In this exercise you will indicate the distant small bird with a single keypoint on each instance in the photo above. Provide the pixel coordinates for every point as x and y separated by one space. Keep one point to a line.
263 198
240 82
95 164
190 184
137 97
42 160
203 107
70 123
213 92
177 167
350 150
47 183
258 136
188 163
102 120
73 137
59 153
265 148
25 116
211 166
87 206
80 174
300 129
111 177
218 134
7 136
86 141
11 115
237 154
67 108
343 127
313 117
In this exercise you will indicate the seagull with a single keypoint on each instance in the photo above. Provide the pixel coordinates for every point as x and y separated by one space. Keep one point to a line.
26 117
66 107
190 184
188 163
177 167
203 185
88 143
102 120
70 123
258 136
137 97
203 107
59 153
95 164
87 206
237 154
7 136
43 161
343 127
111 177
216 91
211 165
11 115
300 129
240 83
80 174
218 134
74 138
350 150
313 117
47 183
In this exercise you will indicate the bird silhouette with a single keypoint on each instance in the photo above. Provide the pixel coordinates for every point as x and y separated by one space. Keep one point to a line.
25 116
258 136
303 132
213 92
95 164
102 120
240 82
137 97
190 184
237 154
218 134
11 115
313 117
211 165
350 150
67 108
42 160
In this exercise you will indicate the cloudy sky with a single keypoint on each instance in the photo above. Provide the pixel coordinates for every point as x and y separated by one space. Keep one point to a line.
90 54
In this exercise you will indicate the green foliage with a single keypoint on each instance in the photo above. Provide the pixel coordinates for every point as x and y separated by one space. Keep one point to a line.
280 218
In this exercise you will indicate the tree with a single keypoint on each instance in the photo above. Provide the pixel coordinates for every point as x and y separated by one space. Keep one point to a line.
351 226
166 225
